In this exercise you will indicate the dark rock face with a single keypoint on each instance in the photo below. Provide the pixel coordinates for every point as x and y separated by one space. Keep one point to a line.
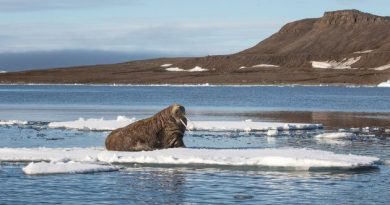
163 130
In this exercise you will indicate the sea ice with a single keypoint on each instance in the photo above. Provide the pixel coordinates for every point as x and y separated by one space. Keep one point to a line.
101 124
275 157
336 135
94 124
13 122
365 51
71 167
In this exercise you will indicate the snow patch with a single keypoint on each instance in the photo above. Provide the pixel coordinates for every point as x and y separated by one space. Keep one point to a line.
242 67
276 157
197 69
362 52
94 124
174 69
265 66
383 67
166 65
384 84
343 64
70 167
3 71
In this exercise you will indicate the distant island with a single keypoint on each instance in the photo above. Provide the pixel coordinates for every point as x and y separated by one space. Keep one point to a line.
346 47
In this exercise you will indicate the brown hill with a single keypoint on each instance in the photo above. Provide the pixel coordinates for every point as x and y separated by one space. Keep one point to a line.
342 47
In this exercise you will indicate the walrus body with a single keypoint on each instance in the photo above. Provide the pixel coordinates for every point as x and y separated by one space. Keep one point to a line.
163 130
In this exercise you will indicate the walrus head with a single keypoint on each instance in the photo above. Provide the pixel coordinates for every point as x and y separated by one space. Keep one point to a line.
178 113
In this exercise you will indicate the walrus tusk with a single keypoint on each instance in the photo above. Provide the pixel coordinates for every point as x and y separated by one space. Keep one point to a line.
184 123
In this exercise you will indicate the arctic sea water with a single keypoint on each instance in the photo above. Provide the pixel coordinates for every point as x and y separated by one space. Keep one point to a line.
39 105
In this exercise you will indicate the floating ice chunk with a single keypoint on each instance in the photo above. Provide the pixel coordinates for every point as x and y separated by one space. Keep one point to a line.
336 135
197 69
354 129
174 69
94 124
242 67
383 67
272 132
48 154
384 84
13 122
280 157
70 167
366 51
265 66
102 125
346 63
166 65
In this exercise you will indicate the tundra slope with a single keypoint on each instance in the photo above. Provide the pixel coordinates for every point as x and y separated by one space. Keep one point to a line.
341 47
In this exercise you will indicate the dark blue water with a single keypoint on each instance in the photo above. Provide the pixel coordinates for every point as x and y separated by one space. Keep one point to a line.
191 185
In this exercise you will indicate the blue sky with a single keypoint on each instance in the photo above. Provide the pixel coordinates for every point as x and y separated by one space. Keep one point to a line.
161 27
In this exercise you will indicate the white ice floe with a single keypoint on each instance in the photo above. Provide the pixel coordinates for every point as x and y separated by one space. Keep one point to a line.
362 52
277 157
70 167
174 69
272 132
166 65
197 69
346 63
13 122
248 126
336 135
383 67
94 124
49 154
3 71
121 121
384 84
265 66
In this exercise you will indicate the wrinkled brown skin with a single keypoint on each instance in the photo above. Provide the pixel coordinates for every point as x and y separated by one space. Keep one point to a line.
161 131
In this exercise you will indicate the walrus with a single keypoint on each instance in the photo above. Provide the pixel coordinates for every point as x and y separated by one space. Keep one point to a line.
163 130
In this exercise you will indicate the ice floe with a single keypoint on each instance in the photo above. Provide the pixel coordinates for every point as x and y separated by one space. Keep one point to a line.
265 66
275 157
248 126
69 167
121 121
3 71
166 65
94 124
384 84
336 135
13 122
383 67
346 63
